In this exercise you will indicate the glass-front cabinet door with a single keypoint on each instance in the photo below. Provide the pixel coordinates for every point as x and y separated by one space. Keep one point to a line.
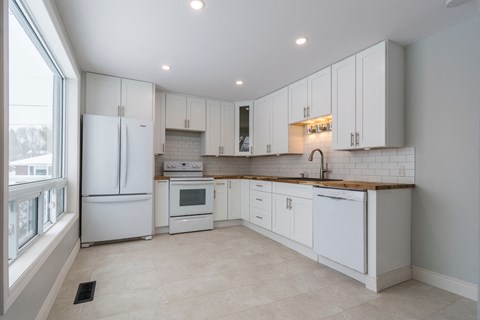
243 128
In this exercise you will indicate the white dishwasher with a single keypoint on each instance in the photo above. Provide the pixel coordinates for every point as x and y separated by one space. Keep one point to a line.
340 226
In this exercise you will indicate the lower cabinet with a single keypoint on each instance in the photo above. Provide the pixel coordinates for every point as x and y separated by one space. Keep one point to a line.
292 216
229 200
220 200
246 200
261 204
161 203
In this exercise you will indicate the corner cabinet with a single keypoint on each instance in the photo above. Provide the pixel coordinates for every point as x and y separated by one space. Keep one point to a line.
218 139
229 199
311 97
243 142
113 96
273 134
367 99
159 125
185 113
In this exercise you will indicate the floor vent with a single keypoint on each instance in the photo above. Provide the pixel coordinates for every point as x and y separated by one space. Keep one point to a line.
85 292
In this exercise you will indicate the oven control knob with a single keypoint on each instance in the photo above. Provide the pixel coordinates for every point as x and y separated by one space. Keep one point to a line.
168 166
174 166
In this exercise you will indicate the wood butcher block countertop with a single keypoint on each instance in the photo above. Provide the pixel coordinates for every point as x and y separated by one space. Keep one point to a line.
353 185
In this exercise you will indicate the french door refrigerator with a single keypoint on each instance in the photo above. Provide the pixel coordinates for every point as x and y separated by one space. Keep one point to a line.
117 179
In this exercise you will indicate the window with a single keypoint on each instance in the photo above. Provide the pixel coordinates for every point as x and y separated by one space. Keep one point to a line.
36 126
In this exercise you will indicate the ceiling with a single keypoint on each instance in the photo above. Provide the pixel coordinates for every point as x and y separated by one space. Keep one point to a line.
251 40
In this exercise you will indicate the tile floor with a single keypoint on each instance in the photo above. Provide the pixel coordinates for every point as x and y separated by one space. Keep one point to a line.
234 273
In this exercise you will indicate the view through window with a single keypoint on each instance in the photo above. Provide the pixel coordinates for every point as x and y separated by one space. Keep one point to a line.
35 134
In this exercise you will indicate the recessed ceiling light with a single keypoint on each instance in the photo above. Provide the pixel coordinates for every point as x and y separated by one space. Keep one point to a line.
301 41
239 82
166 67
197 4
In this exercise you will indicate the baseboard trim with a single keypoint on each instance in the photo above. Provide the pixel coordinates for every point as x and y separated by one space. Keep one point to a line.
462 288
52 295
307 252
388 279
227 223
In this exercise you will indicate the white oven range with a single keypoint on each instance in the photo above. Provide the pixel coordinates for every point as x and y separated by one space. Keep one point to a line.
191 197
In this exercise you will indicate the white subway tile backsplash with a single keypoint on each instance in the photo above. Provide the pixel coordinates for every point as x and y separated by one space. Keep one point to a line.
379 165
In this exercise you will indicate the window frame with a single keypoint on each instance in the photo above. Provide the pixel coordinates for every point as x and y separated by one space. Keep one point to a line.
38 189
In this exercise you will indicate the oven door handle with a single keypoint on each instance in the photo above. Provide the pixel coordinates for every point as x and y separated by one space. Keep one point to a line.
191 183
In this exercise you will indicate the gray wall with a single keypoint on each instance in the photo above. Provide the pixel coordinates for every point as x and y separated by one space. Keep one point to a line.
30 301
442 122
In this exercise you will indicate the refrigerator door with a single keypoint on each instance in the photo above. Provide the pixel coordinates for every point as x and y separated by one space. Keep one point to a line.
101 154
136 161
118 217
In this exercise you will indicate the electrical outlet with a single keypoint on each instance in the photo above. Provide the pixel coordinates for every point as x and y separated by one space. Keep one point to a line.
401 171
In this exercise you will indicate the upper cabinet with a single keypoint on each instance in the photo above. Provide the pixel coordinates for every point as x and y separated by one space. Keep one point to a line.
311 97
159 128
273 134
243 128
185 113
112 96
218 139
367 99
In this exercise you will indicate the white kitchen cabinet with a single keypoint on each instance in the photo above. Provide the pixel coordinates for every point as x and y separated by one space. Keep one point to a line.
220 201
273 134
367 100
159 126
235 200
185 113
298 94
261 204
311 97
161 203
218 139
243 140
292 215
246 200
113 96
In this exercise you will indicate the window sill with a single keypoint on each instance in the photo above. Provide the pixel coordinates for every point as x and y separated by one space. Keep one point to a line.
24 268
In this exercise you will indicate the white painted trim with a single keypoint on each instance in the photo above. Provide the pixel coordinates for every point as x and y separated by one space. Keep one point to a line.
24 268
462 288
388 279
52 295
306 251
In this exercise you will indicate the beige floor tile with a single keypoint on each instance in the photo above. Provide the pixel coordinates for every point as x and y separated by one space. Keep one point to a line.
463 309
234 273
366 312
66 311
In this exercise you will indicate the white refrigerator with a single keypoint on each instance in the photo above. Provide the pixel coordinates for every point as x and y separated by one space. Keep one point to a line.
117 179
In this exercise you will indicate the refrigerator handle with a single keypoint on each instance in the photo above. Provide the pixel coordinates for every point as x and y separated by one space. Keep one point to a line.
117 167
126 155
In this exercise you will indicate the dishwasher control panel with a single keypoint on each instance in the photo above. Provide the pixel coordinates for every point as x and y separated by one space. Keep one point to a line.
340 194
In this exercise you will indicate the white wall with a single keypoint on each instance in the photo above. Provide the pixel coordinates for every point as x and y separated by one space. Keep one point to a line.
442 122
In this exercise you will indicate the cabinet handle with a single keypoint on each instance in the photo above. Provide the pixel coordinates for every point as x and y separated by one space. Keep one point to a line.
123 111
308 111
351 139
219 150
214 194
261 200
188 123
185 123
357 138
286 205
261 218
163 147
290 203
119 113
259 185
305 112
222 149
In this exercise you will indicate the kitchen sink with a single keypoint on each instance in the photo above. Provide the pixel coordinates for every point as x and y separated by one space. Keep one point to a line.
310 179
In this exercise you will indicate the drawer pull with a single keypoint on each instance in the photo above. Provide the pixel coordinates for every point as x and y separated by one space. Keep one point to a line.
259 185
258 199
261 218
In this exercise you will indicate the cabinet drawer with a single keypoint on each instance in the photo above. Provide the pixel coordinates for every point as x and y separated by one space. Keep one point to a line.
261 200
261 218
293 190
261 185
